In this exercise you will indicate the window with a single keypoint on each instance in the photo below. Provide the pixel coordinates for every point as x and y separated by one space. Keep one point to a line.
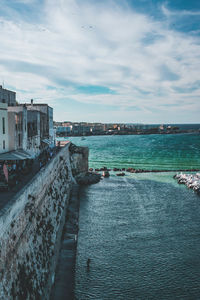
4 145
3 125
19 140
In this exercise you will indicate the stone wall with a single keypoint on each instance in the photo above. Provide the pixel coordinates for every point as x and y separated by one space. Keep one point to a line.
30 229
79 159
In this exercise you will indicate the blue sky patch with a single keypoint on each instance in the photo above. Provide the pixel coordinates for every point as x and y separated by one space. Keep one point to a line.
167 75
94 90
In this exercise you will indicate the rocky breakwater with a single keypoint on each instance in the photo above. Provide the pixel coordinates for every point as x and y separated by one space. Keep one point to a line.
134 170
32 224
82 177
88 178
192 181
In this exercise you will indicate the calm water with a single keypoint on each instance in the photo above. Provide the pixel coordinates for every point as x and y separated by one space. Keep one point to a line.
142 235
180 151
141 231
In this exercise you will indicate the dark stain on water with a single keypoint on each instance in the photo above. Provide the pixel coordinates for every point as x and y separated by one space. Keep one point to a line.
142 236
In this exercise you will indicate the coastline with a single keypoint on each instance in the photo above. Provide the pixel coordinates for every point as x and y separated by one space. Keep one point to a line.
132 133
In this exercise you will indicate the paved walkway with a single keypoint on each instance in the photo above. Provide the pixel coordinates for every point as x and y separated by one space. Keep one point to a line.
65 274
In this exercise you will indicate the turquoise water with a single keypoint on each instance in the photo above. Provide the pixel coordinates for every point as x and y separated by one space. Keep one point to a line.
163 152
140 231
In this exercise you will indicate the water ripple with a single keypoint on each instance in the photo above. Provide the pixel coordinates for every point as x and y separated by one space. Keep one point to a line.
142 237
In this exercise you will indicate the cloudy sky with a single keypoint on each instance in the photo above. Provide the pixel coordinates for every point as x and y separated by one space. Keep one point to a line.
107 61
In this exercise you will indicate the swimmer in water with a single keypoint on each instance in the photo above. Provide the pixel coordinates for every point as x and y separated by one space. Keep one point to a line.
88 263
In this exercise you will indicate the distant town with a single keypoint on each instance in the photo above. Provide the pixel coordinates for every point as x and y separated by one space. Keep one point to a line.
67 128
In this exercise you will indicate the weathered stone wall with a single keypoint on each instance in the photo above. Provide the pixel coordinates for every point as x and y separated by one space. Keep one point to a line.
79 159
30 229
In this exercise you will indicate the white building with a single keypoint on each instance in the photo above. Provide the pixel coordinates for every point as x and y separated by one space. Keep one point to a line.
27 127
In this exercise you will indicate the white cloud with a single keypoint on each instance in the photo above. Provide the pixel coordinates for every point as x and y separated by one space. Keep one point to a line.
103 45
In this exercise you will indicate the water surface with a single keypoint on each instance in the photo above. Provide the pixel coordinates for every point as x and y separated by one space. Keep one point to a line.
163 152
142 235
140 231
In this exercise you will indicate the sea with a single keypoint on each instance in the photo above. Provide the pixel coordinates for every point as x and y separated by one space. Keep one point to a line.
141 232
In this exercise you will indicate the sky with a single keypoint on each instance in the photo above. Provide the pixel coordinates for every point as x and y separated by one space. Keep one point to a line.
125 61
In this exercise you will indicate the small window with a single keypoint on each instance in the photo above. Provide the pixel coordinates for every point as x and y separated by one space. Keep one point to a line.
3 125
19 140
4 145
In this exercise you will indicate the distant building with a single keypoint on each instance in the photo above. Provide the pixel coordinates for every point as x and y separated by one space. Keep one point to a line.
7 96
77 129
65 124
4 135
97 128
64 130
86 130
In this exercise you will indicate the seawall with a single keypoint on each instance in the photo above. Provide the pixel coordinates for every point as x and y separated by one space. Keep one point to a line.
31 226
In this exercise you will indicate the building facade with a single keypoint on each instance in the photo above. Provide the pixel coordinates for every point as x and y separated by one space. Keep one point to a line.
46 121
27 127
7 96
4 134
64 130
17 124
34 134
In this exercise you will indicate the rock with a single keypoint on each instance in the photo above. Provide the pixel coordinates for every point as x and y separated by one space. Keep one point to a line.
116 169
104 169
106 174
131 170
192 181
120 174
88 178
